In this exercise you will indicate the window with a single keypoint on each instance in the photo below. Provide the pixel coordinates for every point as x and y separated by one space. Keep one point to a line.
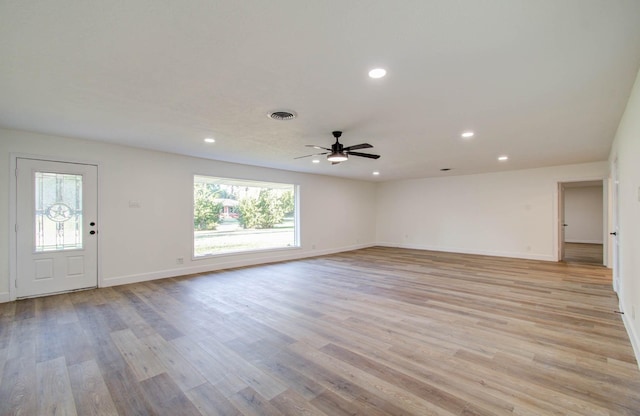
58 209
232 215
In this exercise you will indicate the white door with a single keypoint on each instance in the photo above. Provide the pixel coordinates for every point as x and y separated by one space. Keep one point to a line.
56 230
561 224
616 229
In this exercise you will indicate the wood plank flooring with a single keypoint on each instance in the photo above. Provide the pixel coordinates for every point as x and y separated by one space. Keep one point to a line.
378 331
583 253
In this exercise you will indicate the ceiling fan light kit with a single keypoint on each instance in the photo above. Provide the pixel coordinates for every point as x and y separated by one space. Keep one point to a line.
337 157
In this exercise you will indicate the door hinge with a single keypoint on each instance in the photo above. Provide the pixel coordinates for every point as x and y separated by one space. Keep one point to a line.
16 172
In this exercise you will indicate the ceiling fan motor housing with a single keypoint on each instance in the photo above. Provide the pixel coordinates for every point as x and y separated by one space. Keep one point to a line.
337 147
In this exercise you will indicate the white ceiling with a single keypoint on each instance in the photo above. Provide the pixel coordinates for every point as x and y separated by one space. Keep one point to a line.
544 81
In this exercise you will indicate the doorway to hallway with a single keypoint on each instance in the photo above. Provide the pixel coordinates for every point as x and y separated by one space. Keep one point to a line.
582 222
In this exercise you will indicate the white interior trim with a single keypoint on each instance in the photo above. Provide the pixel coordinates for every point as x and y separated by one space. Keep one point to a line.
633 336
605 214
207 268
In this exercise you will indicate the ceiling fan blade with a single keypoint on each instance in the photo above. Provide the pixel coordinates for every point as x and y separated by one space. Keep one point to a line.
370 156
315 154
358 146
317 147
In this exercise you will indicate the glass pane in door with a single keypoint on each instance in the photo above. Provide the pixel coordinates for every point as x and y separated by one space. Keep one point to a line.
58 211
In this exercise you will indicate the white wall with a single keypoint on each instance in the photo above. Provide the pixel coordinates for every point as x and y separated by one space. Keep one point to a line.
511 214
626 148
583 208
143 243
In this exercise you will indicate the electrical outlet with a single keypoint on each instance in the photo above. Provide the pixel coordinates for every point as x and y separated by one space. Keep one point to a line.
180 260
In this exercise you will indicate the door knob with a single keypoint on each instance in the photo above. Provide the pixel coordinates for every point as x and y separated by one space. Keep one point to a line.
614 233
564 225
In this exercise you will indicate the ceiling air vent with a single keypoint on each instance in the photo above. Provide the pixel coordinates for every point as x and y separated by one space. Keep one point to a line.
282 115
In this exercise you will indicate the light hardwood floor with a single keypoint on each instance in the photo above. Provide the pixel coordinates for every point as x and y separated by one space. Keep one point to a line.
583 253
370 332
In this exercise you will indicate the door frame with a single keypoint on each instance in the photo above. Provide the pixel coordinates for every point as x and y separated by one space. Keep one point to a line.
558 216
13 217
561 221
614 225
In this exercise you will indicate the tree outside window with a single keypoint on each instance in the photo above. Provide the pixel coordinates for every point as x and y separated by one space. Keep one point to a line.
233 215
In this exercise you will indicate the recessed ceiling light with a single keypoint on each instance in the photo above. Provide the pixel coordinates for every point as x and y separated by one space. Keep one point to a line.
377 73
503 158
210 140
376 173
467 134
315 161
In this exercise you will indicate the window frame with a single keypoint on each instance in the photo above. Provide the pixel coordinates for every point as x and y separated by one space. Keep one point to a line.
219 180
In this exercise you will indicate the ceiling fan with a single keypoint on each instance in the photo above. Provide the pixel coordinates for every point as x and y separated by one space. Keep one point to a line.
338 153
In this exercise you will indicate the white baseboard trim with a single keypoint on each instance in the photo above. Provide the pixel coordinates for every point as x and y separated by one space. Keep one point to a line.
526 256
633 336
584 241
4 297
228 264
